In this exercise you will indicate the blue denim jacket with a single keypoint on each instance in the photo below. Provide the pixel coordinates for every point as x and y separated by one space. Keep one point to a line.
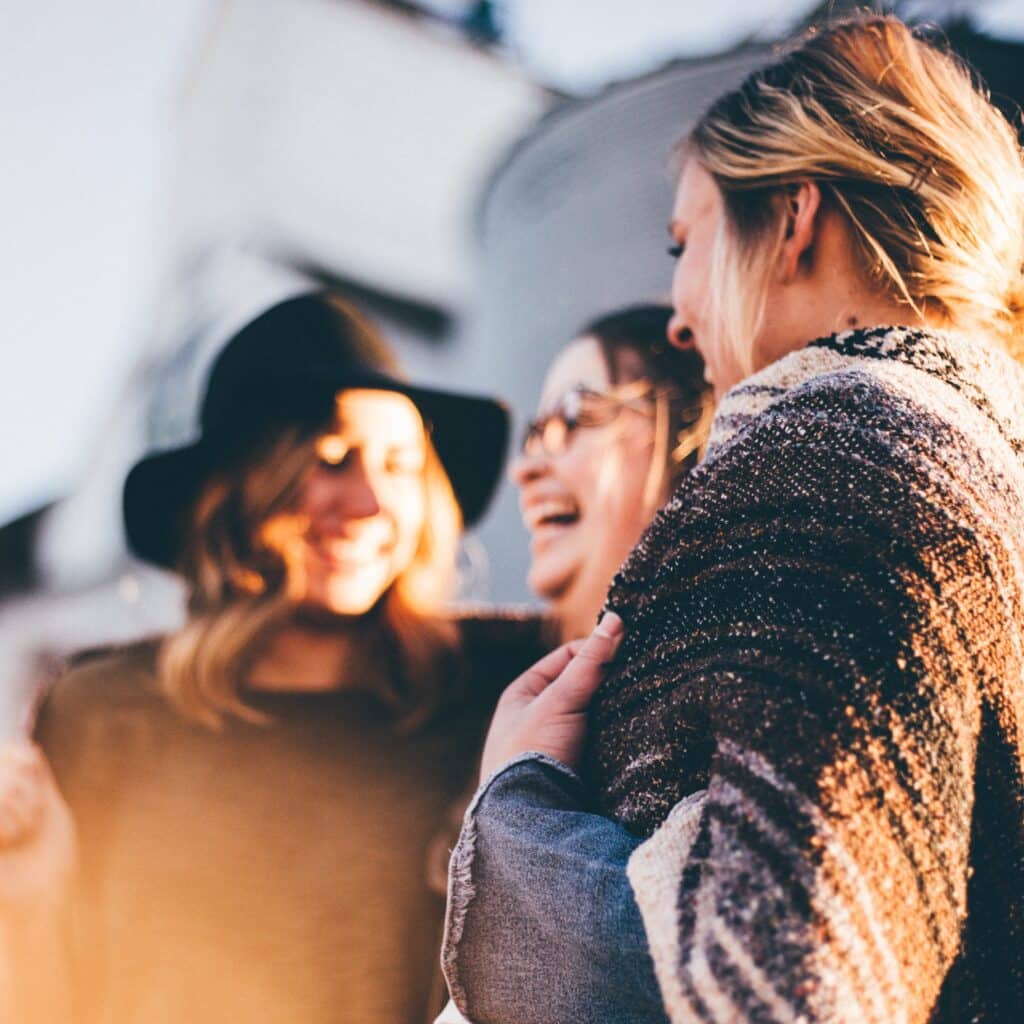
542 925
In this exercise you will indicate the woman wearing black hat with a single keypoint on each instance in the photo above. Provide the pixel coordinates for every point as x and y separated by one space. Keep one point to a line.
253 797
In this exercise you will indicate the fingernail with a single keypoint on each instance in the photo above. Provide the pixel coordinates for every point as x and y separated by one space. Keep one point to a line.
609 625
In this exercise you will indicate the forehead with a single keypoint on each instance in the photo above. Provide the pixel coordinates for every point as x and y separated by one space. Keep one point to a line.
381 416
580 364
697 195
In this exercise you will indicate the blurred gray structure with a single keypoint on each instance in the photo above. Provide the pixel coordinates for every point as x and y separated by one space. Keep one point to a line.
316 141
573 225
479 219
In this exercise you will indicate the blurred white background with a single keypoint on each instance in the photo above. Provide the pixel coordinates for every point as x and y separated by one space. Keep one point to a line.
168 167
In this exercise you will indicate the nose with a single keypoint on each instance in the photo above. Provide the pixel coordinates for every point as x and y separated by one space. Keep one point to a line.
679 334
530 464
354 494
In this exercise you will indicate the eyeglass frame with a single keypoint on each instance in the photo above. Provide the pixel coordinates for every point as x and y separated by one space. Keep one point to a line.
618 400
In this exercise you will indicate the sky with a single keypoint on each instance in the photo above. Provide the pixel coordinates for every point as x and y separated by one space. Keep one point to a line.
579 47
87 99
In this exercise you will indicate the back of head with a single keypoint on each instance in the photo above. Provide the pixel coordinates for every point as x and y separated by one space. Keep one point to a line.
904 143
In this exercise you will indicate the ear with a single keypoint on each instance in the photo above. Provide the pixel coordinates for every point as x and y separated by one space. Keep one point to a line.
802 203
680 336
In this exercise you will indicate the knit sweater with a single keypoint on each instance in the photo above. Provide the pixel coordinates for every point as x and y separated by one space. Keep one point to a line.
826 633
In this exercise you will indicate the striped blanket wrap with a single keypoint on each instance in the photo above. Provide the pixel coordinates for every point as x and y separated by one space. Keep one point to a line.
816 721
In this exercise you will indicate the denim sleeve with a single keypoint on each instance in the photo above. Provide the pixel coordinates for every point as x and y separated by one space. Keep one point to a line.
542 924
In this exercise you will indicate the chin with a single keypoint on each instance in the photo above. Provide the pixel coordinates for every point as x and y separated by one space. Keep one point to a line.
549 584
319 607
348 609
349 597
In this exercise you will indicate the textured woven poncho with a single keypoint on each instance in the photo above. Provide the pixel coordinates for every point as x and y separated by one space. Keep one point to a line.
826 632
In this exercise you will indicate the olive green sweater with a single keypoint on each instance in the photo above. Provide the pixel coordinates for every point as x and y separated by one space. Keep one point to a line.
264 873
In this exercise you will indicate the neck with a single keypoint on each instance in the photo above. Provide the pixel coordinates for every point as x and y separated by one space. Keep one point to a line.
308 655
856 313
829 293
575 622
867 313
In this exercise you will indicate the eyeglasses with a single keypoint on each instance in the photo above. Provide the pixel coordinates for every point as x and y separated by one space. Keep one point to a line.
580 408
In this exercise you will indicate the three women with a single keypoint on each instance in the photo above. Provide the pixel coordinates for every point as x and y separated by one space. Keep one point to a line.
803 780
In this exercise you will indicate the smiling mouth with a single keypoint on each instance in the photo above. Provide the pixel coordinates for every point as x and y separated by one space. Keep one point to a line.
551 514
350 554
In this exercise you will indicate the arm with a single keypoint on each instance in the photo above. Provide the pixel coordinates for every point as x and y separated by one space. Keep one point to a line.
827 647
542 923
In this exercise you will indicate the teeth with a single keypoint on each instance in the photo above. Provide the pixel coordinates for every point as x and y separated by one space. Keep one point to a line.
353 550
542 512
350 550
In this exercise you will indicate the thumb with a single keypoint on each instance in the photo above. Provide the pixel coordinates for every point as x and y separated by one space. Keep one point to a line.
572 691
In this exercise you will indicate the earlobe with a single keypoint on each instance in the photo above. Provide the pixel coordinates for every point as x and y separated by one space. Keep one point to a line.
802 203
679 335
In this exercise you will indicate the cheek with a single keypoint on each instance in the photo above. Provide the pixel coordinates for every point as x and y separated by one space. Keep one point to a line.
408 510
680 299
633 505
310 498
581 470
619 511
688 292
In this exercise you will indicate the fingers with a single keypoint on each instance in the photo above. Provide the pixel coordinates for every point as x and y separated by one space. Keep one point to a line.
582 676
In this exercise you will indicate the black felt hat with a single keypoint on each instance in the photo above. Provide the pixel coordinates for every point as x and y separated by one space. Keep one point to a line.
285 368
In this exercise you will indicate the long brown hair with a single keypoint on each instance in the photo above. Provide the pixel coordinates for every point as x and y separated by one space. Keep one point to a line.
238 591
899 137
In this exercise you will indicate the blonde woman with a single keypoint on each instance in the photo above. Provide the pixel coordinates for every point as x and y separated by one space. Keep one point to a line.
803 792
252 798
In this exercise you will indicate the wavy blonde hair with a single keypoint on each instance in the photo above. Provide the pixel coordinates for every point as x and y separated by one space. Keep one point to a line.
238 591
901 139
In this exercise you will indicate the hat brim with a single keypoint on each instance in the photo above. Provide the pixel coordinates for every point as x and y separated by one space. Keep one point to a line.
158 494
469 433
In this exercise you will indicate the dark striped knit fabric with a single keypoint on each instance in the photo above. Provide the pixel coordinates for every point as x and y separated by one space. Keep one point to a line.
825 630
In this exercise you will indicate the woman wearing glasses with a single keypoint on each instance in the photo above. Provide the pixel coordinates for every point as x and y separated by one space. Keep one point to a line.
623 417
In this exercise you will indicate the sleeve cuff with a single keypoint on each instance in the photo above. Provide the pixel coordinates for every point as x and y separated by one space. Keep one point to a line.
523 762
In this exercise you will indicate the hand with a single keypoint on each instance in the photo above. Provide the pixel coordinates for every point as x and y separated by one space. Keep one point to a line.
545 708
38 850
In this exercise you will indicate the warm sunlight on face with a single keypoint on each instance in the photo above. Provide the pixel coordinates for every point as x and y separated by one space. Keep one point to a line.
585 506
359 516
697 218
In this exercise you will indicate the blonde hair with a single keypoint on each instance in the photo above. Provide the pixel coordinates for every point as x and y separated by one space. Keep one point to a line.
898 136
238 591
